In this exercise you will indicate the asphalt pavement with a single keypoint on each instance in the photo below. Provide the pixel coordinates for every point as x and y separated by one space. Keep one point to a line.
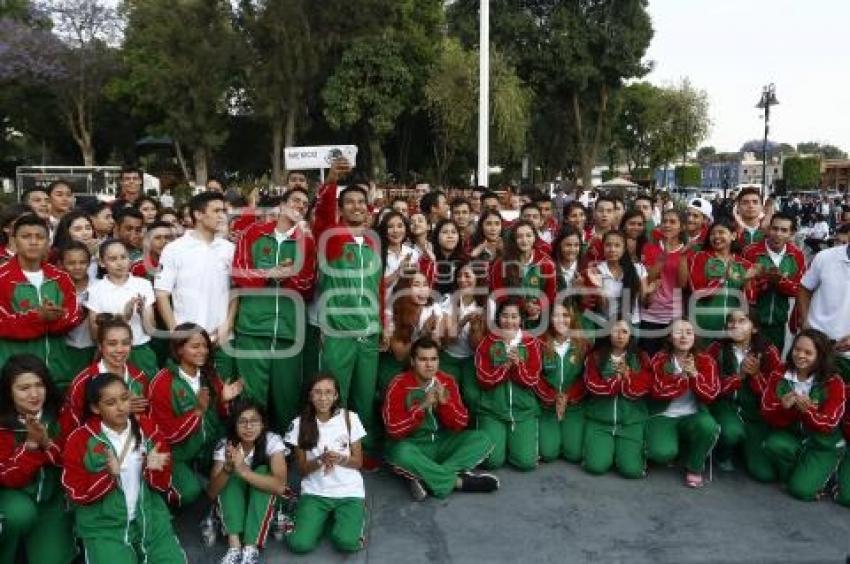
560 514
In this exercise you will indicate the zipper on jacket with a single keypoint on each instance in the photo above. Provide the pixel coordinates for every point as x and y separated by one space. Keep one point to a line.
276 296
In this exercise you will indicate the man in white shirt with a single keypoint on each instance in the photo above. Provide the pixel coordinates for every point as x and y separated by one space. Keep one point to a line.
824 301
193 284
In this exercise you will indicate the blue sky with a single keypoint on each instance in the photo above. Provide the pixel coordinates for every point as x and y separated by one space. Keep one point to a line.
719 45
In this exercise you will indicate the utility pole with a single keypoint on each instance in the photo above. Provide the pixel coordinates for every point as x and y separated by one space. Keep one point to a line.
768 99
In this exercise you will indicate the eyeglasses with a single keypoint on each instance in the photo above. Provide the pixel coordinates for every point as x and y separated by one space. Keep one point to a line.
249 422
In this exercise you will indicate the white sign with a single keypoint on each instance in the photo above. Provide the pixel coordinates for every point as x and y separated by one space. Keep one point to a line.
311 158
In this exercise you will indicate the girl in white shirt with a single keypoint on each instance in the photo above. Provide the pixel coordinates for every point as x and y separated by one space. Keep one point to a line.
464 327
327 442
75 259
131 297
248 475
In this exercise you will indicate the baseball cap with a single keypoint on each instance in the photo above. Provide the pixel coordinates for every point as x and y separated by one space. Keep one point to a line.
703 207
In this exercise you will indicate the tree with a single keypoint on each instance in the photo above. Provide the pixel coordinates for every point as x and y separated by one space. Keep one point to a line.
706 154
451 95
801 172
575 55
180 58
280 67
688 114
368 91
88 29
688 175
825 151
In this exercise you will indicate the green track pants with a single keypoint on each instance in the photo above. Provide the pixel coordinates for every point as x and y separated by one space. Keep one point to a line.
696 435
514 443
348 516
562 438
620 446
354 365
803 468
437 463
245 510
272 380
44 530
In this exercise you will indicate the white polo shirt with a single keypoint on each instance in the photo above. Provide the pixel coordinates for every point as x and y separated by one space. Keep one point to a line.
197 275
827 279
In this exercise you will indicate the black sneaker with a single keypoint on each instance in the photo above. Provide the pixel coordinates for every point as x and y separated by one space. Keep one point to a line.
481 483
417 490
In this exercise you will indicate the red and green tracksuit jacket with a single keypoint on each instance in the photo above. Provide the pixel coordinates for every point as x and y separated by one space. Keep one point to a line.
774 301
172 409
351 274
538 278
668 385
73 410
745 238
100 506
508 392
718 289
820 424
20 300
146 267
745 393
34 472
272 314
617 400
561 376
406 419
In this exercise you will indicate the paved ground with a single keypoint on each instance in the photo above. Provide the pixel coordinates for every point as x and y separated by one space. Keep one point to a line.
560 514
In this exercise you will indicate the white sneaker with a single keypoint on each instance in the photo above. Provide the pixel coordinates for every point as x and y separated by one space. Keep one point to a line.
417 490
232 556
250 555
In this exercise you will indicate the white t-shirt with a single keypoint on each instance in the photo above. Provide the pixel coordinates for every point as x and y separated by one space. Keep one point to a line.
131 467
193 381
35 278
684 405
197 275
827 278
459 348
333 436
803 388
274 444
613 288
107 297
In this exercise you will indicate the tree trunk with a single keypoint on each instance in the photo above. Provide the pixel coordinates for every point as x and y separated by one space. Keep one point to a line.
199 159
277 153
377 161
181 160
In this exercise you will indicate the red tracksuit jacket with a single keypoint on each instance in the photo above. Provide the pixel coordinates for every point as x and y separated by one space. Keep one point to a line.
87 446
705 385
73 410
404 416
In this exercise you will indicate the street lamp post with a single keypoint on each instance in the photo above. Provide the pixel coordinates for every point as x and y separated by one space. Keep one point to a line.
768 99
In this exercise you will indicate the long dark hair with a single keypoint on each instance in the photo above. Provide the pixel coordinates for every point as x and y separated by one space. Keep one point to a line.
631 280
94 389
758 343
641 239
478 236
566 231
602 347
22 364
824 366
308 426
445 265
181 336
62 236
236 410
383 229
101 253
511 260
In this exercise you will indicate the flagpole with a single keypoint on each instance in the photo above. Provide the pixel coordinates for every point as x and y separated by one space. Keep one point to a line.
484 95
